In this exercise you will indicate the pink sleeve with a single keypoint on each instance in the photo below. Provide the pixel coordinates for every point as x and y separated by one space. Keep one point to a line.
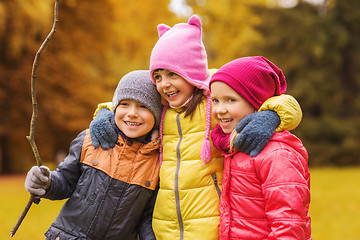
285 182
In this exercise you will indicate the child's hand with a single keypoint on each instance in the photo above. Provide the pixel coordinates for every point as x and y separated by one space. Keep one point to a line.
255 131
102 129
38 180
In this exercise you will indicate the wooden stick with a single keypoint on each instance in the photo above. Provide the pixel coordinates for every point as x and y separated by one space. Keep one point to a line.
30 138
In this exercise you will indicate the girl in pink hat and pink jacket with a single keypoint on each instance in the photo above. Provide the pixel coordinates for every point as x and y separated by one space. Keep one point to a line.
267 196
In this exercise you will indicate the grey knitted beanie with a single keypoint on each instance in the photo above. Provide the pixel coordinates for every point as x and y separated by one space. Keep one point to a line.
137 85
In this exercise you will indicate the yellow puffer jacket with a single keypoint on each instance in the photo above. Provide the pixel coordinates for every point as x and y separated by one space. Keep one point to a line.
187 204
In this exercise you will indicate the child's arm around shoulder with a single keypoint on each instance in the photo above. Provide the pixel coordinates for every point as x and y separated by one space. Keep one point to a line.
276 114
287 108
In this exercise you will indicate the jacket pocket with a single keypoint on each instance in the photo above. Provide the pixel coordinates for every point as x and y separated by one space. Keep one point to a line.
213 175
58 233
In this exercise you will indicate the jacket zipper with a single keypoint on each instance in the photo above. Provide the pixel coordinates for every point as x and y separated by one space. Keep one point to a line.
177 197
213 175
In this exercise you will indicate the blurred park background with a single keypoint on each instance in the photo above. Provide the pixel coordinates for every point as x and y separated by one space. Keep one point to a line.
315 42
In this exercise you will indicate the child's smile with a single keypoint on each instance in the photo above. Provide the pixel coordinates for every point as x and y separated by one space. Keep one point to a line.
225 123
172 94
132 124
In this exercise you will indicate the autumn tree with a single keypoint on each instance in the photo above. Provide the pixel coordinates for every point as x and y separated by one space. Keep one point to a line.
95 44
21 32
317 47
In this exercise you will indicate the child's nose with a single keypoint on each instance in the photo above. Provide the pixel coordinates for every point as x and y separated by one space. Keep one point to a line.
220 109
132 112
165 83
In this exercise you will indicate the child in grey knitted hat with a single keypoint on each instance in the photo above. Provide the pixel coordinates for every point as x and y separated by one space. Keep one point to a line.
111 192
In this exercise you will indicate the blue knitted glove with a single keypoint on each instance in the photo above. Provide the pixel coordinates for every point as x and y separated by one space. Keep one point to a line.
103 129
255 131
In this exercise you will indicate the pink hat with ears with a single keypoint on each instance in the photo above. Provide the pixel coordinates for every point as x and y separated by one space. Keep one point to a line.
180 49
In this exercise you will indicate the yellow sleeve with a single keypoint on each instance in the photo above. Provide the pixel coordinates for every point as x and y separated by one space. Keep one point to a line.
107 105
288 110
212 71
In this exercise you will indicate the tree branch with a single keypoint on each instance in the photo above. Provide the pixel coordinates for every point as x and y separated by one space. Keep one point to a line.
31 138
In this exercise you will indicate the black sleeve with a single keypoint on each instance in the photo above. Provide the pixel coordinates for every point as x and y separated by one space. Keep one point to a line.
64 179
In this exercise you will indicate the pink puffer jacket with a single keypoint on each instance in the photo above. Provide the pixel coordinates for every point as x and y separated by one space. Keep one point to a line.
268 196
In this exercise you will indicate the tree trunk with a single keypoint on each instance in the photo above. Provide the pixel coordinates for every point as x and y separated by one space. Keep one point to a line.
5 166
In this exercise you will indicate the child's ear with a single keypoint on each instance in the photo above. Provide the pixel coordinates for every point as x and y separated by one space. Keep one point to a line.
162 28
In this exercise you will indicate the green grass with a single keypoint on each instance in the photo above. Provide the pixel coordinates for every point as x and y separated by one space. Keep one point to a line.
334 208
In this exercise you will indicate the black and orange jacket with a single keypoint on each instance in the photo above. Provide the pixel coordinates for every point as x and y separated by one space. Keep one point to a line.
111 192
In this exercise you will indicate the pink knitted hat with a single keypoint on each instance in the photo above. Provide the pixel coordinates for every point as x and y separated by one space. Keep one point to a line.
181 50
254 78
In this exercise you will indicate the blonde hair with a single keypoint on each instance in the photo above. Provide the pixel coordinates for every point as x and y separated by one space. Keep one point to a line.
232 138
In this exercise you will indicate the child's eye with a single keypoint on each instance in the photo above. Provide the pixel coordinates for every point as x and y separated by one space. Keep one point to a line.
231 100
143 106
157 77
123 104
215 100
172 74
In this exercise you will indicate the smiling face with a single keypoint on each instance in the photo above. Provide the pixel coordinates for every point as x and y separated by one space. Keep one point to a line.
134 119
228 107
172 87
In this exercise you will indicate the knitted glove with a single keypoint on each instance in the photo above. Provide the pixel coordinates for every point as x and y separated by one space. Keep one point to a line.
38 180
103 129
255 131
